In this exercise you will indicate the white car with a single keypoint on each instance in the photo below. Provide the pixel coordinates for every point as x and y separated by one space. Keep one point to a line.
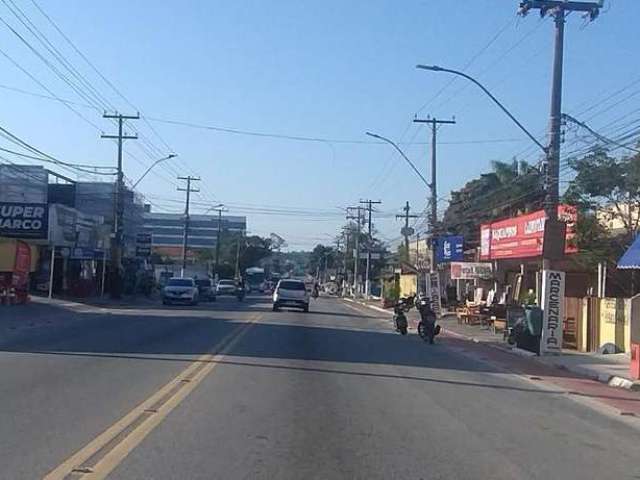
180 290
226 287
291 293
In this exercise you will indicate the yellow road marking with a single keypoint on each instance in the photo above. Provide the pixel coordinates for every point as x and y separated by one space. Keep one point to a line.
168 397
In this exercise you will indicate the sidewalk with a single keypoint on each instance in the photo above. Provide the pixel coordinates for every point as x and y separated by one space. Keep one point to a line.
96 301
612 369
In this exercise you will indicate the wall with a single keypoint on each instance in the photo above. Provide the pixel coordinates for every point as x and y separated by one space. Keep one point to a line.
614 322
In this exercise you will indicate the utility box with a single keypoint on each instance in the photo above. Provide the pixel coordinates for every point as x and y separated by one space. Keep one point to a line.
634 369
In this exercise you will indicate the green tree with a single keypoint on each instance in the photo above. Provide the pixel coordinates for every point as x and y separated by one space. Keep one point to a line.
604 189
511 188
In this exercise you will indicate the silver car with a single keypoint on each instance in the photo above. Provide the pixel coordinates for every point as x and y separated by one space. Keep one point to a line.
291 293
180 290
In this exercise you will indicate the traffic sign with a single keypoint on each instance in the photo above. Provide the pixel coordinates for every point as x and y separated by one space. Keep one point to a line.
407 231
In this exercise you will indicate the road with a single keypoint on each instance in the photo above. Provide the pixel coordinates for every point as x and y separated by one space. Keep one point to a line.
235 391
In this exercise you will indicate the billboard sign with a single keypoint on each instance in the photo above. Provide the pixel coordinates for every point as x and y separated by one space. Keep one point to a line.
449 248
553 311
24 220
523 236
471 270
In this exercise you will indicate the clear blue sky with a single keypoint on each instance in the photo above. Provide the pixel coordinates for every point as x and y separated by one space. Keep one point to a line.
332 69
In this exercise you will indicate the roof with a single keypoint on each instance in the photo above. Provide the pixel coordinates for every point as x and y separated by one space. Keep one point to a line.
631 258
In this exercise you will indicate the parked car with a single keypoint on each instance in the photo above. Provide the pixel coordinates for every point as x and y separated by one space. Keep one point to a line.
291 293
206 290
226 287
180 290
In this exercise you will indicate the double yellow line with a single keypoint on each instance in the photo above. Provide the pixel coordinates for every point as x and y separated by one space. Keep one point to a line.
105 452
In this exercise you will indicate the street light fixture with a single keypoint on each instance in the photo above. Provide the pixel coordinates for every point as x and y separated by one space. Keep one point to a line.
384 139
436 68
168 157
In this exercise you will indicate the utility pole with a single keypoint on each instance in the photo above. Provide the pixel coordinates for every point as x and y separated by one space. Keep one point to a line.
559 9
237 275
345 231
406 232
116 249
218 239
433 201
185 238
367 284
358 219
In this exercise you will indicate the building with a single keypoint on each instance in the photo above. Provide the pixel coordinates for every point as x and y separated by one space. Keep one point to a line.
618 219
167 231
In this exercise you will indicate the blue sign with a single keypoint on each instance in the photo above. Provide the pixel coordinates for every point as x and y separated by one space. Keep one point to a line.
449 248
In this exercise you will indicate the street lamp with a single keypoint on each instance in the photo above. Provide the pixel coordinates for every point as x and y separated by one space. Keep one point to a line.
171 155
384 139
436 68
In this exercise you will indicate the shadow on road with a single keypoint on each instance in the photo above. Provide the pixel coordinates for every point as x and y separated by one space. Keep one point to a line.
175 338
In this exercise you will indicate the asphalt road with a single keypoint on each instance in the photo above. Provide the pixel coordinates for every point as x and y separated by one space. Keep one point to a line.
235 391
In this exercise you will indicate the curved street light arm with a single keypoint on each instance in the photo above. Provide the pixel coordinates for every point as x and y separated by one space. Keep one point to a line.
379 137
172 155
435 68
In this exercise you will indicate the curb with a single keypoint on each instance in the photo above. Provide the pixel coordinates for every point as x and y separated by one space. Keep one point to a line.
611 380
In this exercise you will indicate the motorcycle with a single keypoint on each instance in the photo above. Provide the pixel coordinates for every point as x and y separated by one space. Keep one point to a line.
427 328
399 317
240 293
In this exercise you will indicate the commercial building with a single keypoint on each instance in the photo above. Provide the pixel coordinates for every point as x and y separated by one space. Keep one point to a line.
65 225
167 231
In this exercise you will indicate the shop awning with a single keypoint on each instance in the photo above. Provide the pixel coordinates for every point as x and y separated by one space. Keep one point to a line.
631 258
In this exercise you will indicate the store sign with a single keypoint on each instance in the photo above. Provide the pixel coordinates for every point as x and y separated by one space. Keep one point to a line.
471 270
553 311
523 236
449 248
434 293
24 220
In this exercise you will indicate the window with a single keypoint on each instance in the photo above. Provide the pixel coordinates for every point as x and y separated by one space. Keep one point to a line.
290 285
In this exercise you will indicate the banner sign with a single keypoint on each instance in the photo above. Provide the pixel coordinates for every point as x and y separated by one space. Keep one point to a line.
553 311
523 236
449 248
24 220
471 270
433 289
22 266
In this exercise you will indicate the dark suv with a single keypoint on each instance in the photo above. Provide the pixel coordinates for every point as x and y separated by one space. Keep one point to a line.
206 290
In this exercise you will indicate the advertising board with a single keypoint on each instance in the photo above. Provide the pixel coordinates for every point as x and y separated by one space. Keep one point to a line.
523 236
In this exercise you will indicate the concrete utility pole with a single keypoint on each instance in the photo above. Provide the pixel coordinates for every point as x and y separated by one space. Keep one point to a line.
406 231
358 219
559 9
433 201
369 207
185 237
116 251
218 238
345 232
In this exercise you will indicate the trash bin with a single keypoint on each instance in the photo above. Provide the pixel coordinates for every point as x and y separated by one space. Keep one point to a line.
533 317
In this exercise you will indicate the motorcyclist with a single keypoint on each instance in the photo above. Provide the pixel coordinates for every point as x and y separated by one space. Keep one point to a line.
427 328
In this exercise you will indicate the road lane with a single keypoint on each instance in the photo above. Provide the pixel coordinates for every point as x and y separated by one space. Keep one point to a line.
335 394
78 370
